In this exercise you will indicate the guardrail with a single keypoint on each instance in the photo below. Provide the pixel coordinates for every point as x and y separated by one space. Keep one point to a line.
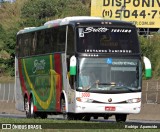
150 92
7 92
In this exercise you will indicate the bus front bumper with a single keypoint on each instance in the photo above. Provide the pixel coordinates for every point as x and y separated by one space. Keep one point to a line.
128 108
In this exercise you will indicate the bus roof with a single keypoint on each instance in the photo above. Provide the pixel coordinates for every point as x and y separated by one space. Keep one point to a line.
68 20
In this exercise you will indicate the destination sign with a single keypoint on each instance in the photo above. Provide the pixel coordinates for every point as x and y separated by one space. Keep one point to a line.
143 13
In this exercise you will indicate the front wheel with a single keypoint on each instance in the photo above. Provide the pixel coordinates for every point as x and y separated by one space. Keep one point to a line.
86 118
121 117
43 115
66 116
31 109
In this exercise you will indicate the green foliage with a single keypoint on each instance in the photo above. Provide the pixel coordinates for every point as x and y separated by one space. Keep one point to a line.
2 36
37 12
26 13
150 48
10 42
76 8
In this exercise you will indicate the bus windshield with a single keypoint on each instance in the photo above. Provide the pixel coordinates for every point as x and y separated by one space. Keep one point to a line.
107 40
109 75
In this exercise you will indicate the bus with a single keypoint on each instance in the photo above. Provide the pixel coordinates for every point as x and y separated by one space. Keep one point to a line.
80 67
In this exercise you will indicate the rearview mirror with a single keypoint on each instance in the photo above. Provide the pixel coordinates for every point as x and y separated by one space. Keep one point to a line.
73 64
148 69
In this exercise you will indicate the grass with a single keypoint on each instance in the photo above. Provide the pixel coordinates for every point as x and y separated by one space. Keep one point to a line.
67 126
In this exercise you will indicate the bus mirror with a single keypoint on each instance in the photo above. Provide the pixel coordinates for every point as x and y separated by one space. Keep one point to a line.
73 65
148 69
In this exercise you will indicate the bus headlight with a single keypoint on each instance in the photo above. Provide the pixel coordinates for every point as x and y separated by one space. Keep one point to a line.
85 100
136 100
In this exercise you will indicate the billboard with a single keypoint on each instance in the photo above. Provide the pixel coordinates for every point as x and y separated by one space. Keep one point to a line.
143 13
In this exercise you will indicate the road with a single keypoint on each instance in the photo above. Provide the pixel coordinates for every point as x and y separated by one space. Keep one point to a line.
100 123
100 119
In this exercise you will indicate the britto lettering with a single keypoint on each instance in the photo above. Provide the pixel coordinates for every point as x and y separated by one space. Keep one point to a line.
92 29
39 65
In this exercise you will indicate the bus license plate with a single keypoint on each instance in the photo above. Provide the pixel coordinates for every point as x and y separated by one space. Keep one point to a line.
110 108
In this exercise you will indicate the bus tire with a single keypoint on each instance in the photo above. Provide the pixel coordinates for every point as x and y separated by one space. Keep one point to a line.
121 117
86 118
43 115
66 116
106 117
63 109
31 109
26 107
95 117
77 117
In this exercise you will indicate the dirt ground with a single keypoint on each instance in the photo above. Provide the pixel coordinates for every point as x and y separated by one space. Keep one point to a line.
148 111
8 108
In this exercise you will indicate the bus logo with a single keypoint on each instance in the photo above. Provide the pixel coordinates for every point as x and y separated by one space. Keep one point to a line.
39 65
92 29
109 100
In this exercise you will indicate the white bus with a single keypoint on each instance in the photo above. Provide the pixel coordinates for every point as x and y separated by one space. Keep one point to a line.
80 67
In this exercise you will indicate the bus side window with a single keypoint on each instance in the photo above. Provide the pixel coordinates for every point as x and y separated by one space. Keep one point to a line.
70 41
40 42
58 39
19 45
26 45
48 41
34 43
70 52
61 38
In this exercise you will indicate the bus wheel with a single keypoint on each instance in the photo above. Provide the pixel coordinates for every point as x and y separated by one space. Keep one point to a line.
86 118
63 108
31 109
26 107
95 117
43 115
66 116
121 117
106 117
78 117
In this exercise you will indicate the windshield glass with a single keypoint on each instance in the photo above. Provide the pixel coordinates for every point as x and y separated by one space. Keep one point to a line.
109 74
107 40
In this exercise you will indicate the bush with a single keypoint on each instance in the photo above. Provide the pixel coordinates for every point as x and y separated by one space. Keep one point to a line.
150 48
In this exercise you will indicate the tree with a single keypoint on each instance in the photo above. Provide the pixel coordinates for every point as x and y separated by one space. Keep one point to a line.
37 12
2 37
9 25
150 48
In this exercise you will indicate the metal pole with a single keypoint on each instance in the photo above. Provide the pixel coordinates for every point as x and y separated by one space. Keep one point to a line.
4 91
146 93
8 93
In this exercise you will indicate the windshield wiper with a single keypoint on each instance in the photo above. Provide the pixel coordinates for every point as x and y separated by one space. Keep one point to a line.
96 84
111 83
126 88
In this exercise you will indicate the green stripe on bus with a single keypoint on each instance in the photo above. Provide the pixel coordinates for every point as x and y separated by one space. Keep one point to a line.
148 72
